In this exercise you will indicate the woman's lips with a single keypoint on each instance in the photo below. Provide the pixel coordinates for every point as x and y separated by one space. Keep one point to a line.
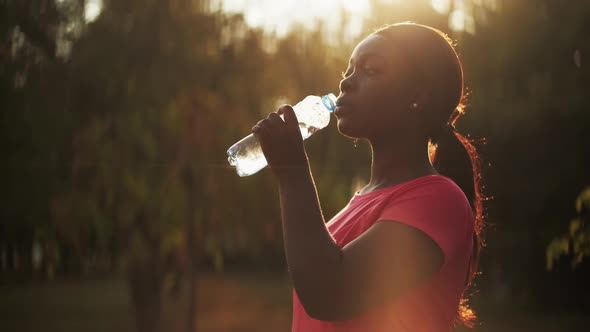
342 105
340 109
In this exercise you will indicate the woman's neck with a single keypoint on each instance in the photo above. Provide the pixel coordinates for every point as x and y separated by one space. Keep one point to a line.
396 163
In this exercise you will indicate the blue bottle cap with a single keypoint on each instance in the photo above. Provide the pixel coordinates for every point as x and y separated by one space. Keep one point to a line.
329 101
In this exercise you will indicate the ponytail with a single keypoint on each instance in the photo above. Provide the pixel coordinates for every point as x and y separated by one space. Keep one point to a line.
455 156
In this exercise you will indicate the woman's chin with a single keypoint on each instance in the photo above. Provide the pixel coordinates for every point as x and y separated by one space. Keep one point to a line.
345 128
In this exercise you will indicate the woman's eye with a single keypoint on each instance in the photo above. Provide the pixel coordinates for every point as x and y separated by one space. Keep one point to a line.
370 71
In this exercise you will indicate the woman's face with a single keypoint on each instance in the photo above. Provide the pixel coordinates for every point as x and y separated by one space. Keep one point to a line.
375 93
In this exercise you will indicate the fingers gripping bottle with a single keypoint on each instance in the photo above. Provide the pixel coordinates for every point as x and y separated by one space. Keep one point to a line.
313 114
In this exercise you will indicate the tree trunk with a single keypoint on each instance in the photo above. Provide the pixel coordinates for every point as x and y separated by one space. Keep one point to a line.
191 248
145 285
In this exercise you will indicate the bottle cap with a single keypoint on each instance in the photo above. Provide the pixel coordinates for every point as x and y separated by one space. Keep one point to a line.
329 101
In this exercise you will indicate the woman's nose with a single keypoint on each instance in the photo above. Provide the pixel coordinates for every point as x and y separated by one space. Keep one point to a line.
346 85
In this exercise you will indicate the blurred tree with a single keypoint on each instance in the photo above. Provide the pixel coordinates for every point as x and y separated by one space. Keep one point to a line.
161 89
577 241
34 124
143 76
528 99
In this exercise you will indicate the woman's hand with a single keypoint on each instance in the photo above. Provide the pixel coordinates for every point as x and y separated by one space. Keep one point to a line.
281 142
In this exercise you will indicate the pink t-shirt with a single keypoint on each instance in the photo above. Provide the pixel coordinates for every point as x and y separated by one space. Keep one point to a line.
433 204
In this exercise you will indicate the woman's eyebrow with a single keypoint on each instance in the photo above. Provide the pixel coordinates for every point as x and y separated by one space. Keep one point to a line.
364 56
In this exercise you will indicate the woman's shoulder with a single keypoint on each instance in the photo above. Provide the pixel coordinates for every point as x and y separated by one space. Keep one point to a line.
431 191
432 183
440 187
432 187
434 204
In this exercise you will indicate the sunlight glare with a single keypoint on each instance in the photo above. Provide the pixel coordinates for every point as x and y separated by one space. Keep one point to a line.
280 15
92 10
441 6
458 21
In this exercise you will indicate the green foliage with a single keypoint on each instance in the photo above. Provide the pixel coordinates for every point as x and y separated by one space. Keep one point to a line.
575 243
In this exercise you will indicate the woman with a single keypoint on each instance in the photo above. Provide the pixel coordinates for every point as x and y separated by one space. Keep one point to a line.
400 255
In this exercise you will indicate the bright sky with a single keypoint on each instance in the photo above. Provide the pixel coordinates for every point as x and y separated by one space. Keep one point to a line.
278 15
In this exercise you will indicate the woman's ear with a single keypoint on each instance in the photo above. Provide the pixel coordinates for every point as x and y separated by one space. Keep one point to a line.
420 102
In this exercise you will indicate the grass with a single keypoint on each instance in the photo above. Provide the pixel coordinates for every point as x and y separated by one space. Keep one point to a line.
236 302
241 302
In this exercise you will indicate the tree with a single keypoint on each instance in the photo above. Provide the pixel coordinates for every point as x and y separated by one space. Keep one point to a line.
34 125
159 95
576 242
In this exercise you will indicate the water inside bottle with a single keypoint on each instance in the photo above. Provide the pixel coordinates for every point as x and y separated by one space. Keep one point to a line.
306 130
247 156
251 160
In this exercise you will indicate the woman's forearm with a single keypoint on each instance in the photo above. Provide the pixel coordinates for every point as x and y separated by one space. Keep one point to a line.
313 258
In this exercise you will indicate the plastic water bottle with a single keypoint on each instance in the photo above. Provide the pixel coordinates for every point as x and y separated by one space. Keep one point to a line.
313 114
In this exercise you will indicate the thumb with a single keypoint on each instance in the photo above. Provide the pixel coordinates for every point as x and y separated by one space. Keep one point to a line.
289 116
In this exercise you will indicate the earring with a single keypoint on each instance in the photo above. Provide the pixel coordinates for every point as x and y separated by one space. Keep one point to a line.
415 106
356 142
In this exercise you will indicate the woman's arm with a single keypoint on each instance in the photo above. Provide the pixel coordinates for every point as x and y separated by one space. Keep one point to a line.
334 283
313 258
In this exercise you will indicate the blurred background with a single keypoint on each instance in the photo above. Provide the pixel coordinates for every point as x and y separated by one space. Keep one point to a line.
119 211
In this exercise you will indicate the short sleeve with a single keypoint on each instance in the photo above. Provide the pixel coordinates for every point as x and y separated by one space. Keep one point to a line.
439 209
